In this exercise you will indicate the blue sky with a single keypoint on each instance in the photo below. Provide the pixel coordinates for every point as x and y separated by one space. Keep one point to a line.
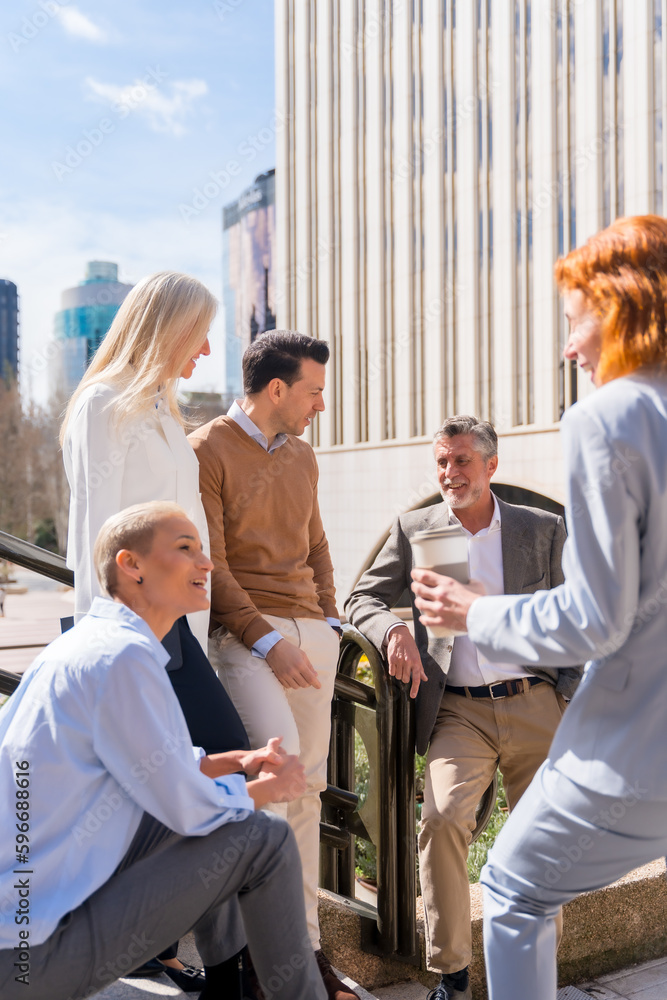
114 115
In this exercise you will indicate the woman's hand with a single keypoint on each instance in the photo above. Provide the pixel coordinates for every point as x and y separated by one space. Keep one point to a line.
287 782
268 758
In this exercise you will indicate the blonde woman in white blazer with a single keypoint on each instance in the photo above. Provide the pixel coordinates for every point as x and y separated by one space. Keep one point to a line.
124 443
122 437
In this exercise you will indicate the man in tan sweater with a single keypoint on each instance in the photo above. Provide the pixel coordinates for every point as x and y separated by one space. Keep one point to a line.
273 637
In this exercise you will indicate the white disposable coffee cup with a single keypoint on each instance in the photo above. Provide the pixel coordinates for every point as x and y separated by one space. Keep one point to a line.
445 551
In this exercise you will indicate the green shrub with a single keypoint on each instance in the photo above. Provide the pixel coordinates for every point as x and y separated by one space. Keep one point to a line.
366 853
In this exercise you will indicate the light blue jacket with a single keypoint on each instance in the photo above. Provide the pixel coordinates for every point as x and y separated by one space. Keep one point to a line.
612 607
91 739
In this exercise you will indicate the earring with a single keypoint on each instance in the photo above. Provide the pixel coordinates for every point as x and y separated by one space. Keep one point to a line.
140 580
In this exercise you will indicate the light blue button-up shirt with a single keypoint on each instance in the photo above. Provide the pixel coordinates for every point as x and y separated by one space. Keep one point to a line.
97 730
266 642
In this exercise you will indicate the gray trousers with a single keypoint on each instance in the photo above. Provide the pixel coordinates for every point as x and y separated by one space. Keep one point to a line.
560 841
168 885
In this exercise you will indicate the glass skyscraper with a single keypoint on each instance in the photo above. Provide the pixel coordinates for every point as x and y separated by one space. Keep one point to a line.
9 327
86 315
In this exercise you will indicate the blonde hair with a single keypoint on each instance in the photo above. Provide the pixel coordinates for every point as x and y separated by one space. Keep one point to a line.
161 323
133 529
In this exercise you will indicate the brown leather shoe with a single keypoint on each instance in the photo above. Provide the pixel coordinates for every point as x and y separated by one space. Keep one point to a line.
335 989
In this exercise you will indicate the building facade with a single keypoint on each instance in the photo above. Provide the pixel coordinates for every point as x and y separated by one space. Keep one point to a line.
248 236
81 324
9 328
438 157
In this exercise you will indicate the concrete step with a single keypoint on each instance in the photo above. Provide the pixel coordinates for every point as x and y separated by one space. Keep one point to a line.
648 980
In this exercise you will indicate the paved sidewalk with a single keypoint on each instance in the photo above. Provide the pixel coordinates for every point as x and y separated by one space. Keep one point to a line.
31 620
641 982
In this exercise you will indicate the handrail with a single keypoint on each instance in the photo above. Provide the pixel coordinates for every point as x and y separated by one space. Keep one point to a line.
8 682
29 556
394 818
395 833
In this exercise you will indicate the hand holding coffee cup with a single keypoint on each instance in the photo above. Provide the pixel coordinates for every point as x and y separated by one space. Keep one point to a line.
443 551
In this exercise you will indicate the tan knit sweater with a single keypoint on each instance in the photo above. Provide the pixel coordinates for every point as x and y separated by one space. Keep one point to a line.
268 546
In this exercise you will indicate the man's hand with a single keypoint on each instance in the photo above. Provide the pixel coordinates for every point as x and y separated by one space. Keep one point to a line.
269 758
291 666
403 658
287 782
444 601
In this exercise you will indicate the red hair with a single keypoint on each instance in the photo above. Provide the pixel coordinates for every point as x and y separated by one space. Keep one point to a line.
622 271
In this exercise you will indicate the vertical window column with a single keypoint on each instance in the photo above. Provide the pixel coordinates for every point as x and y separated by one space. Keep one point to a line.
485 220
565 149
523 344
450 276
659 105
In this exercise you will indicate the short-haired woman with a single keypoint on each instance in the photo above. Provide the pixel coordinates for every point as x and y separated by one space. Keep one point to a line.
124 443
598 806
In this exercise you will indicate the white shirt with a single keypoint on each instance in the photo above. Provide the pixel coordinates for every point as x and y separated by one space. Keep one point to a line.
469 667
97 722
111 466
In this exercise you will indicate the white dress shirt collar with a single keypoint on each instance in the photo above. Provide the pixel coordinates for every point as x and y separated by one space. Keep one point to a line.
493 526
240 417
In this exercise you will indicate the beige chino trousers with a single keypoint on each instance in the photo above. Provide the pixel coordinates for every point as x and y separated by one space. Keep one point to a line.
471 738
302 716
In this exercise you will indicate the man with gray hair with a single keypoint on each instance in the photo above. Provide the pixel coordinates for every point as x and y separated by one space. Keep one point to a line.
473 716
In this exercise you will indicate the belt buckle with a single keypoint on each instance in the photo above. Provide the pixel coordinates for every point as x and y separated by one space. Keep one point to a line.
498 697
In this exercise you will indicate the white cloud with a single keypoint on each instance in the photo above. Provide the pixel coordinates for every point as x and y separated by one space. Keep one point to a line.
45 250
77 24
163 112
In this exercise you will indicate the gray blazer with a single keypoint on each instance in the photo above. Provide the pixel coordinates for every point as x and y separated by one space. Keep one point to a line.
532 543
612 608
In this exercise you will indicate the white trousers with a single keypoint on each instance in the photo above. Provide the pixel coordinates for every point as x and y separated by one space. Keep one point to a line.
301 716
560 841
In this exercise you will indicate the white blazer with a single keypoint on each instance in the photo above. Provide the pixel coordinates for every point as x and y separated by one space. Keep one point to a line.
111 467
612 607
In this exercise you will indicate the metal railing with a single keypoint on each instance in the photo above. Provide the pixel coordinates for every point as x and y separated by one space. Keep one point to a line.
29 556
39 560
383 717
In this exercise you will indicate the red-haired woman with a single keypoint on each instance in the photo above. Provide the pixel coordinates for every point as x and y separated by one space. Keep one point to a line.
598 806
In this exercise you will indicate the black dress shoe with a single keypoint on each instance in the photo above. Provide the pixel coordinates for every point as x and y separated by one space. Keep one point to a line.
189 979
153 967
452 987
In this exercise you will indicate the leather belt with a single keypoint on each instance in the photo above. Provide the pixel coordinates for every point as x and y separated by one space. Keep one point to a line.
502 689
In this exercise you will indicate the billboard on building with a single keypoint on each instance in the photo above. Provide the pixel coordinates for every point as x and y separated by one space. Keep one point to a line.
248 240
